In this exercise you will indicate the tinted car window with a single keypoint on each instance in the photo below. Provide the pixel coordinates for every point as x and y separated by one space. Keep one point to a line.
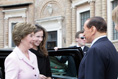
65 62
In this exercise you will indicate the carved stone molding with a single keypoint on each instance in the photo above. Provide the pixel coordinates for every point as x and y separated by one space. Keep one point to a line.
51 9
14 13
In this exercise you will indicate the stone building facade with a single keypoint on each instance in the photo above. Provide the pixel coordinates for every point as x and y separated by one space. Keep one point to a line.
61 18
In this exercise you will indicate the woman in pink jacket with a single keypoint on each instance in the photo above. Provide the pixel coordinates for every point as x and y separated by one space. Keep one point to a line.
21 63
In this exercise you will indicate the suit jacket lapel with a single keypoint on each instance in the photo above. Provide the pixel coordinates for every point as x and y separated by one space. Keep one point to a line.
85 49
29 62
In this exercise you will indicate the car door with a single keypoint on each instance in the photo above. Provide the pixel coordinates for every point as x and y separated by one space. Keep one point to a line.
65 62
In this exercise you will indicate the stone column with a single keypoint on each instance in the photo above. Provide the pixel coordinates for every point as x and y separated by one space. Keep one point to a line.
104 9
68 23
92 8
6 33
1 29
31 14
98 8
74 27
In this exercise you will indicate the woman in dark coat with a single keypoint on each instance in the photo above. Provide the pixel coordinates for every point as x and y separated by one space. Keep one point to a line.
40 36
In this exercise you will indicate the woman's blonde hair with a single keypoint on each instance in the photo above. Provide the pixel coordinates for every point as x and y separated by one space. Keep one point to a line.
20 31
115 15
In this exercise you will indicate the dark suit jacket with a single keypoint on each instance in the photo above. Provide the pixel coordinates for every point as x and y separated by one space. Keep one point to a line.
85 49
100 61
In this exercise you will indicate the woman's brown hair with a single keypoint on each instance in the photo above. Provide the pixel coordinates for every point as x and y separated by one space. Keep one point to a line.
42 47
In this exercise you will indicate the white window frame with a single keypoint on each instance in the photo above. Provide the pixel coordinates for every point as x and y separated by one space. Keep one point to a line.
109 19
10 32
57 26
11 14
79 11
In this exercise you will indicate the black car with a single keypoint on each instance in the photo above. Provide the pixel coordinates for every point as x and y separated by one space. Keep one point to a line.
3 54
60 69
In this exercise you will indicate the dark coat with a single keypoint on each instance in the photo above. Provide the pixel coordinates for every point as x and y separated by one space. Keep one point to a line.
100 61
43 63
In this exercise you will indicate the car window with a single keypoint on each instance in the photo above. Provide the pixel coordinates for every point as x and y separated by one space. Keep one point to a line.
64 63
57 67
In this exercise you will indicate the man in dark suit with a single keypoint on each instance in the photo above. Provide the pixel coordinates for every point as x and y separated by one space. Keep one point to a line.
80 40
101 60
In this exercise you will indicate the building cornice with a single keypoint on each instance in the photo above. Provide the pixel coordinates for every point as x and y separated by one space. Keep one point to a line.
14 10
79 3
15 4
50 19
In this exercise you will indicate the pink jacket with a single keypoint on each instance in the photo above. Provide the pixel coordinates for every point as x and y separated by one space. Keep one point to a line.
17 66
